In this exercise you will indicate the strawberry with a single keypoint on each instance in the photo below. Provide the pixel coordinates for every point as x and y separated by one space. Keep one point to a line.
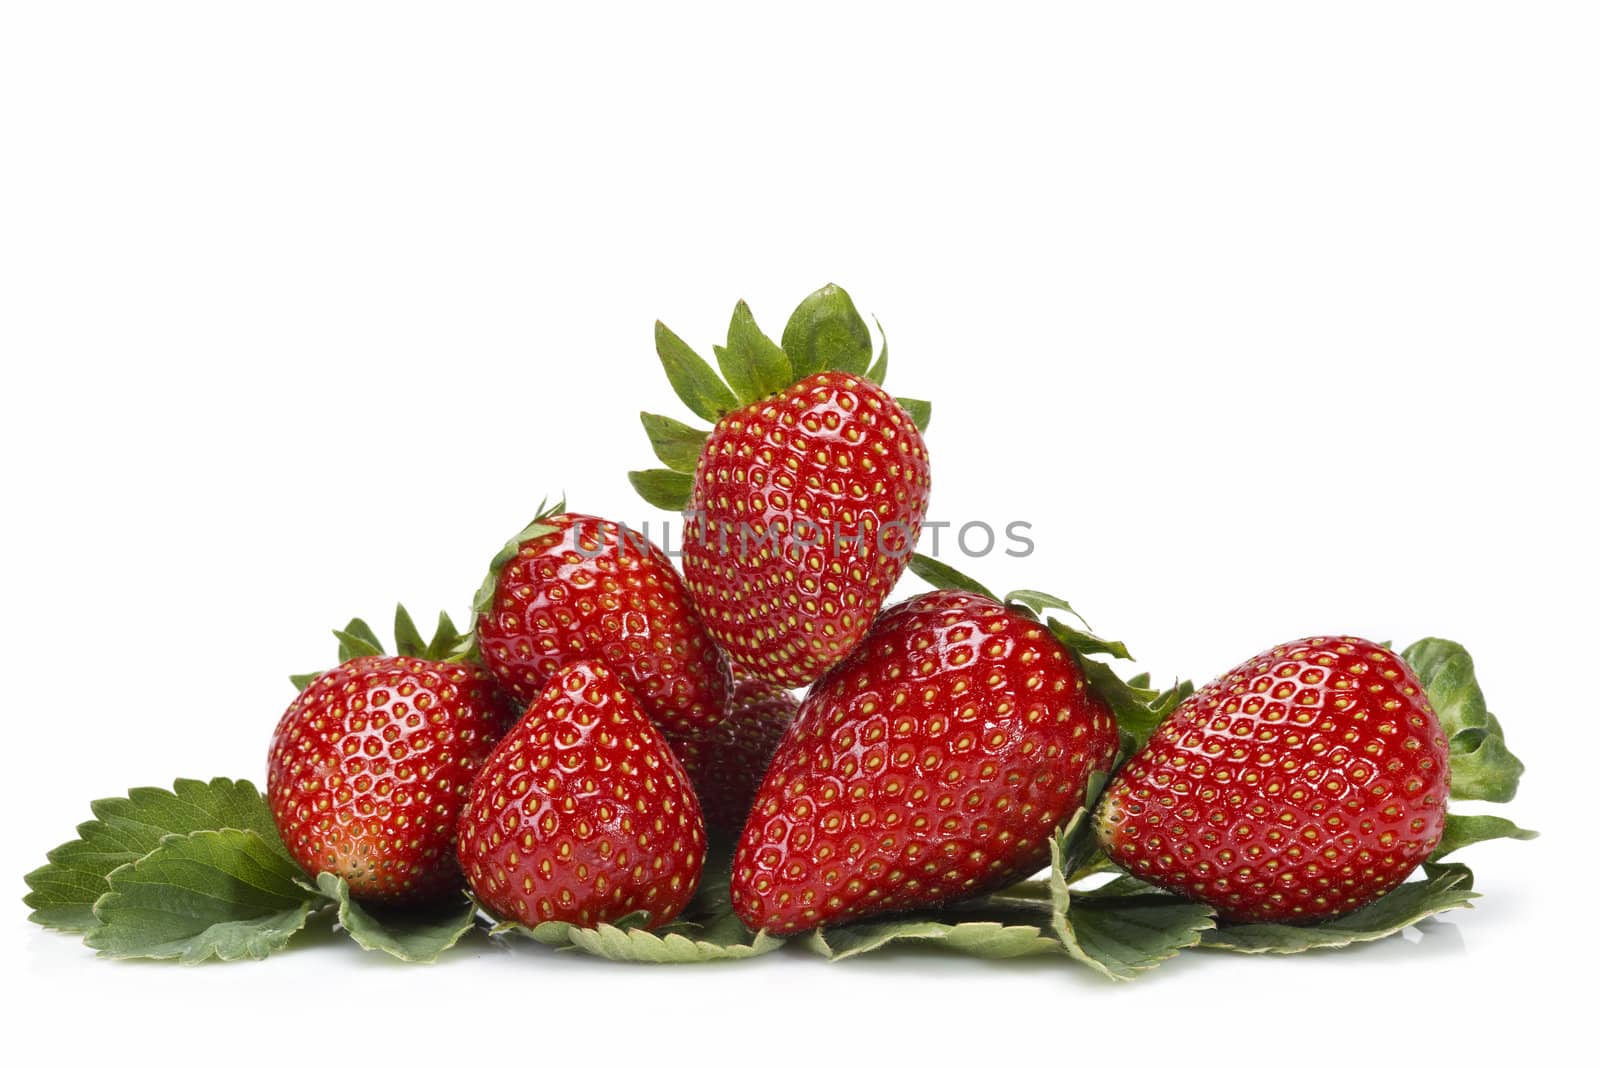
1301 785
582 814
573 588
804 500
932 764
727 764
371 763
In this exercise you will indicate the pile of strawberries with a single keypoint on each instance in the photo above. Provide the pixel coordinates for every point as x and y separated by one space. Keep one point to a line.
612 737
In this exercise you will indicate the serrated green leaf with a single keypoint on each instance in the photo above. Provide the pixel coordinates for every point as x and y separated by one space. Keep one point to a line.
675 444
448 643
880 367
415 935
668 490
1444 887
300 682
826 333
692 379
407 639
1462 830
988 939
124 829
942 576
1131 706
1481 767
920 411
227 894
1121 936
753 364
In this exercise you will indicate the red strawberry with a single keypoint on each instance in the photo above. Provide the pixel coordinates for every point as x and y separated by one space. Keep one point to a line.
582 813
931 765
805 499
573 588
370 766
1300 785
727 764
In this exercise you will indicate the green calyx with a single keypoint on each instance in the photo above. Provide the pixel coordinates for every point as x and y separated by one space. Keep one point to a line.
537 527
1136 705
357 638
825 333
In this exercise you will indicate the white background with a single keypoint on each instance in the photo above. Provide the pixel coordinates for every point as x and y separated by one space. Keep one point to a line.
1273 319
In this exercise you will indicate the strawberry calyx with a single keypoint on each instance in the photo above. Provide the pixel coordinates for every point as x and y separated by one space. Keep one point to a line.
824 333
1138 707
537 527
357 639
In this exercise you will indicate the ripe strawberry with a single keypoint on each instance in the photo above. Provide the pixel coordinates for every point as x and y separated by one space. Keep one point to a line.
371 763
573 588
582 813
931 765
804 500
727 764
1300 785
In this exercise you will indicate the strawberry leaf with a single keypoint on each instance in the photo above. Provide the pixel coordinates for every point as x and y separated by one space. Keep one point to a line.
1120 936
692 379
1444 887
407 639
988 939
667 490
707 931
920 411
1481 767
675 444
752 363
1461 830
418 936
880 367
357 639
483 600
826 333
124 829
228 894
944 577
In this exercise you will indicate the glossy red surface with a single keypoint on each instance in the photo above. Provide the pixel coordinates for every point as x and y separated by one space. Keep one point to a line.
932 764
590 593
582 813
727 764
370 767
782 549
1302 784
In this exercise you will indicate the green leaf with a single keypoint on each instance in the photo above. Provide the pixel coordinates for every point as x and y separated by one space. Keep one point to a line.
357 639
1444 887
826 333
483 600
300 682
675 444
448 643
752 363
920 411
987 939
1119 935
880 367
708 931
1039 603
944 577
1129 704
1481 767
415 935
1085 644
668 490
227 894
407 639
692 379
1462 830
124 829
